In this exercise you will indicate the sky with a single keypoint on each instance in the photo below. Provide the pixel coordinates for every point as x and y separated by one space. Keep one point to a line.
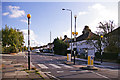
49 16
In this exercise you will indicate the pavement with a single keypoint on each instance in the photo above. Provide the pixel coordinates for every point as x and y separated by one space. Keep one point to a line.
14 67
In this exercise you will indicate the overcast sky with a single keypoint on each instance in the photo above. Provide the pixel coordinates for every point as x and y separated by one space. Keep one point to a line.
48 16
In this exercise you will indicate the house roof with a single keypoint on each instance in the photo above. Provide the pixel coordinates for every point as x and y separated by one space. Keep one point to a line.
114 32
50 43
88 35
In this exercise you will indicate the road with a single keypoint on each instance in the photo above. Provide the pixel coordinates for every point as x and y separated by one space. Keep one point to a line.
54 67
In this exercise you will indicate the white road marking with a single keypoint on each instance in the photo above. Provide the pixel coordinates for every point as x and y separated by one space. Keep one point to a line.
46 72
101 75
42 66
110 70
60 71
55 66
66 66
53 77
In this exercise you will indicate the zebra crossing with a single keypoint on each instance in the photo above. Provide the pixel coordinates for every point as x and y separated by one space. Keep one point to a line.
54 66
42 66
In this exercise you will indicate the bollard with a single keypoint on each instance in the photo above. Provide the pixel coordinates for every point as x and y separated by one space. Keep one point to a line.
88 60
68 57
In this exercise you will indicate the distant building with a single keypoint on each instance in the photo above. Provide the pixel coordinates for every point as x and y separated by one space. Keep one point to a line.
82 41
50 46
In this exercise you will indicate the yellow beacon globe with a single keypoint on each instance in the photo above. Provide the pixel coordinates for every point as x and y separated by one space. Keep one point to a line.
73 33
76 33
28 16
101 36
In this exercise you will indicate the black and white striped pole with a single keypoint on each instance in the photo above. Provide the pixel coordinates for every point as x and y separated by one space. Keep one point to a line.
28 16
75 42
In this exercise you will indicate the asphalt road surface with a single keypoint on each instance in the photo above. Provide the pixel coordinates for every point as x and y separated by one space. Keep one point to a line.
54 67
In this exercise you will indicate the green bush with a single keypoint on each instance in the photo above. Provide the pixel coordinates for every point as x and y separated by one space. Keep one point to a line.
10 49
60 47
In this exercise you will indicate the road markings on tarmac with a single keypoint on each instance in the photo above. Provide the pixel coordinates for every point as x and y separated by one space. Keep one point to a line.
100 75
55 66
46 72
111 70
42 66
66 66
53 77
60 71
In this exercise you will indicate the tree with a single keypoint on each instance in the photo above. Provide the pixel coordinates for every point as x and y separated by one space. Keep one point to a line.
93 39
60 47
12 40
110 40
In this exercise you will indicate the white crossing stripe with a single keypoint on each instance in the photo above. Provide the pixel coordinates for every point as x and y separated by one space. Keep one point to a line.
66 66
60 71
55 66
42 66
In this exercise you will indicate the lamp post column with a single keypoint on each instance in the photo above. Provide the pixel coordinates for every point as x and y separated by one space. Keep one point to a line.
75 44
71 30
71 35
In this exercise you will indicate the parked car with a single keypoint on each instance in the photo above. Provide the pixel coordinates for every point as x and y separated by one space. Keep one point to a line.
47 51
36 50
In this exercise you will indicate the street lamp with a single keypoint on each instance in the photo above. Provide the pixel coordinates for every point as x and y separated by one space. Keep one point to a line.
71 29
101 37
75 34
28 16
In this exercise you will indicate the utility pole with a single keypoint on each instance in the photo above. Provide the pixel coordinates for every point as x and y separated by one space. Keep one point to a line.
50 36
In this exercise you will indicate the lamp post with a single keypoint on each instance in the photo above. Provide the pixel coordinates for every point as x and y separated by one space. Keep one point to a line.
28 16
101 37
75 34
71 29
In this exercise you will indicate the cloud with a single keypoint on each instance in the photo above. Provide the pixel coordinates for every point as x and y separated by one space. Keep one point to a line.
15 12
102 13
97 7
98 13
33 38
6 13
82 13
23 20
92 16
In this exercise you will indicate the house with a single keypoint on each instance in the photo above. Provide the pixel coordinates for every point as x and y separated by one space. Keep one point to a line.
50 46
82 44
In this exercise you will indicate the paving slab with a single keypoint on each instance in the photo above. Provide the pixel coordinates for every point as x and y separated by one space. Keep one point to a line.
11 75
17 65
21 76
21 73
8 66
8 70
7 62
9 79
20 68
